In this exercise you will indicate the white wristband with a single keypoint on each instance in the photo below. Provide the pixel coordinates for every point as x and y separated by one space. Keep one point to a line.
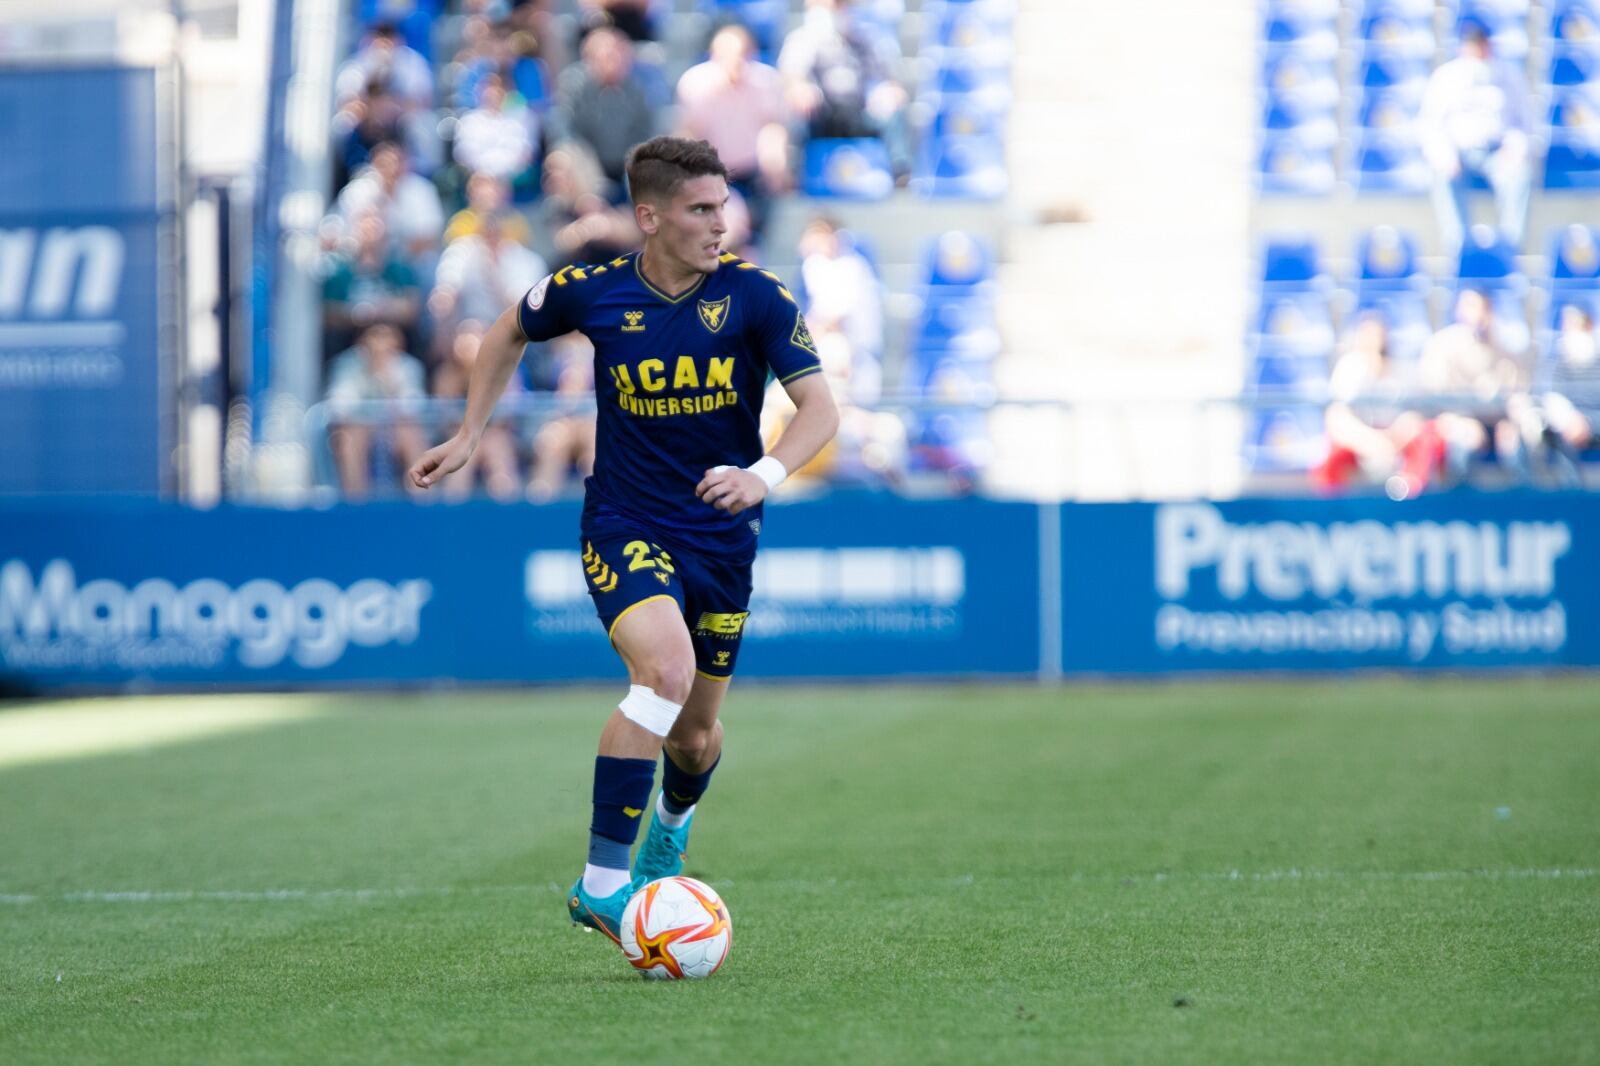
769 470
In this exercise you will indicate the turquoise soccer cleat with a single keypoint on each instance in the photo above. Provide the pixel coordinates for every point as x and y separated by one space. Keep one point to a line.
661 854
604 914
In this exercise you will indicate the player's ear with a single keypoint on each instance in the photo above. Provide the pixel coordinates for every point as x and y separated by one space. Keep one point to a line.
644 213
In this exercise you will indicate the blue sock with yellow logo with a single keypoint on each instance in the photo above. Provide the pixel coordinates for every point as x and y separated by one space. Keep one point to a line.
621 795
680 791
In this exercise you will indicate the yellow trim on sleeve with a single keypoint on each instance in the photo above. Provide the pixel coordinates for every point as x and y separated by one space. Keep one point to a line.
634 607
800 374
713 677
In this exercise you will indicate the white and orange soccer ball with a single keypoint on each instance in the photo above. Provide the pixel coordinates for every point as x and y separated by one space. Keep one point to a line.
676 927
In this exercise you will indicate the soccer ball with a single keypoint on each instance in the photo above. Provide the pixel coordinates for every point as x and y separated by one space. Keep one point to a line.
676 927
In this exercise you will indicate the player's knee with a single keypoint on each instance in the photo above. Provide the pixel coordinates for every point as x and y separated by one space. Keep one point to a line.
691 745
671 679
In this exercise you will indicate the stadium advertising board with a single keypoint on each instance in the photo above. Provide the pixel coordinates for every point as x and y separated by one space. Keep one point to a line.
1463 580
81 317
106 593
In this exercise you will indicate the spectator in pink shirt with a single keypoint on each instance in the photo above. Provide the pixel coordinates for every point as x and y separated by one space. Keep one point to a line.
737 104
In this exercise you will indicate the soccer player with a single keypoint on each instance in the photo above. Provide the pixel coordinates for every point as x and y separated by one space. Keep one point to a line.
684 337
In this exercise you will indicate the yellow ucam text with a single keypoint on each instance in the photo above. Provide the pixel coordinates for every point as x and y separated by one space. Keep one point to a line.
636 382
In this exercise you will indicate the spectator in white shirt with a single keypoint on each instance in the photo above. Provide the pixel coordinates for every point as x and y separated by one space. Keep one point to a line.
480 275
1474 121
408 202
389 59
490 139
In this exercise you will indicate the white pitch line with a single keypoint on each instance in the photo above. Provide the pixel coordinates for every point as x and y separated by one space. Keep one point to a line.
367 895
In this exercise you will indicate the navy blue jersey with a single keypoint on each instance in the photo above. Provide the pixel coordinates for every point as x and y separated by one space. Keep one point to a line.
678 382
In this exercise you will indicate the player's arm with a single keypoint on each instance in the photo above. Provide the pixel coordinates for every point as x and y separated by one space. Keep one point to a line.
498 356
816 420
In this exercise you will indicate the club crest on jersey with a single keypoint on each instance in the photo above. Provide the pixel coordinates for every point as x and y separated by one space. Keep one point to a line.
713 313
634 322
801 337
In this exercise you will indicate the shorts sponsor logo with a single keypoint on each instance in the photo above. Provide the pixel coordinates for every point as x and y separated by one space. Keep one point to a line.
721 625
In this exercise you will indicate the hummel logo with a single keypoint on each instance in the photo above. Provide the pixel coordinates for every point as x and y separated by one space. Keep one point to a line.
632 812
635 320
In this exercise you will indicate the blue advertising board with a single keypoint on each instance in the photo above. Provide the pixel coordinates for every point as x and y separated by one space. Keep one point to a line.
112 592
1462 580
80 281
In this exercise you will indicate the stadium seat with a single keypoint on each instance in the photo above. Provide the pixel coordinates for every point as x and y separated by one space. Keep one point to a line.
1487 260
1386 261
1284 440
955 30
1572 165
1300 323
1310 28
1388 163
1576 22
1575 257
1506 21
1291 263
1388 31
956 259
1398 72
1317 127
1278 372
1305 83
1574 64
967 168
847 169
1289 166
1389 111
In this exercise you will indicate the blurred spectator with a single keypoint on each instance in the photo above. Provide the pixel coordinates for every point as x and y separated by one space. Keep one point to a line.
377 368
1552 429
632 17
1474 122
368 284
408 202
497 138
488 197
1369 430
737 105
604 106
495 460
480 275
384 57
576 223
839 79
1469 359
565 443
844 307
373 117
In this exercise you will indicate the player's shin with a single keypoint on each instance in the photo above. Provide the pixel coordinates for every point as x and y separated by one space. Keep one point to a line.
680 790
621 795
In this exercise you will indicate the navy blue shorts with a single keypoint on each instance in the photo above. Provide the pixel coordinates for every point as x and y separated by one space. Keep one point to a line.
626 565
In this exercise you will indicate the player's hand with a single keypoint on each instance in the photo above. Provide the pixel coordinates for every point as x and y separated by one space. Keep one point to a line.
731 488
439 461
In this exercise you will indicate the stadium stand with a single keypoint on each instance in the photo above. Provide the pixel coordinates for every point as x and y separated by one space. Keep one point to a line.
491 104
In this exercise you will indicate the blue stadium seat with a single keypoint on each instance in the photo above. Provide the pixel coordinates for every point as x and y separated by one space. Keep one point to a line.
959 117
1576 22
847 169
1575 111
1316 130
956 259
1291 263
1386 261
1298 323
1276 371
1575 256
1506 21
413 18
966 168
1388 110
1304 83
1397 32
952 30
1399 72
1574 64
1312 29
1285 440
1386 163
1574 165
1289 166
1487 259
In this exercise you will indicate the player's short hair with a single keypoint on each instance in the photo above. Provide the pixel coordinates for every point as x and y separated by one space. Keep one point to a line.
658 166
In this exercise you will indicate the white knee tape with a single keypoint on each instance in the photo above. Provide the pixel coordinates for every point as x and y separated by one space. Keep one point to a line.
645 709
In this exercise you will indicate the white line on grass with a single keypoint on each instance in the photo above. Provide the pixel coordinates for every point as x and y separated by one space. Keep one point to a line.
367 895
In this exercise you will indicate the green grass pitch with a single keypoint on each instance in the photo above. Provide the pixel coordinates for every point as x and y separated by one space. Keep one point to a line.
1352 871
